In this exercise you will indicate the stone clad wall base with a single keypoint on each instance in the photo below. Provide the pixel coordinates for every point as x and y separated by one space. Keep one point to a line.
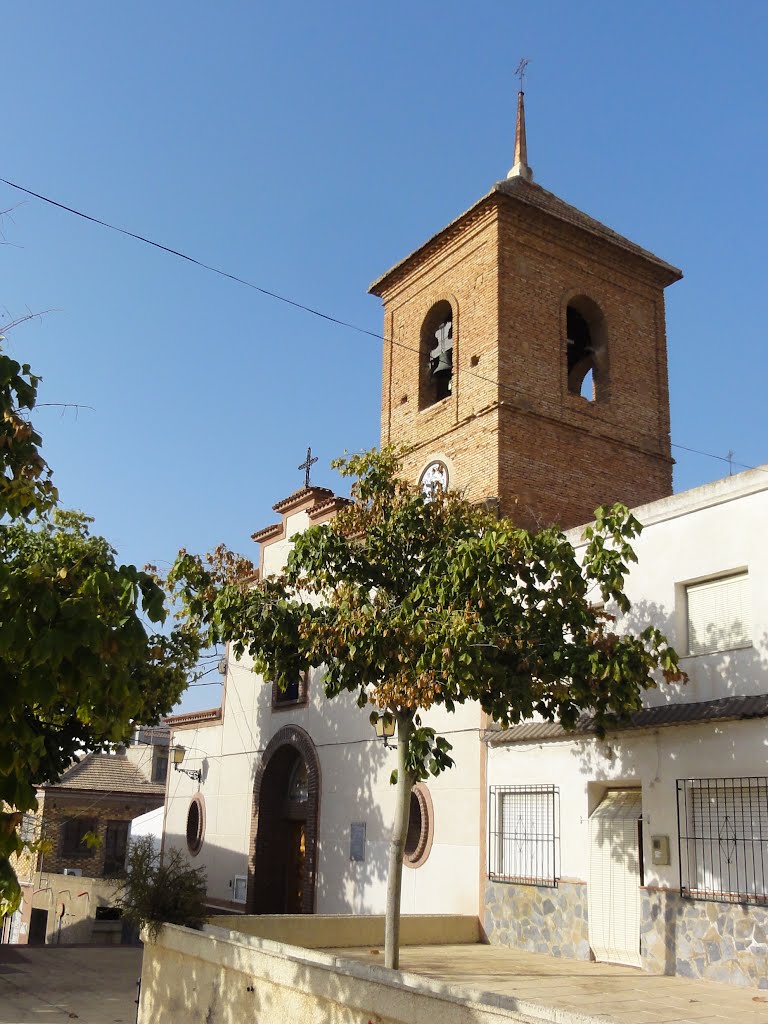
725 942
538 918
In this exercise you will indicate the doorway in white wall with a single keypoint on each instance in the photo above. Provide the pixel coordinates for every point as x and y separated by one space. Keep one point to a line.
615 870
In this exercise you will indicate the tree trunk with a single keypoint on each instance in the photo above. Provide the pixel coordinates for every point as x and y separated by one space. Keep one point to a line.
399 832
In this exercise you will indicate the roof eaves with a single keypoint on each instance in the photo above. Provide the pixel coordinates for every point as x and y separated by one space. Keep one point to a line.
377 286
535 196
301 496
547 202
664 715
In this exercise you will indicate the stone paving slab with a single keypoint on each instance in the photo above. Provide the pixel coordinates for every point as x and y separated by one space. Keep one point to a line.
87 984
567 991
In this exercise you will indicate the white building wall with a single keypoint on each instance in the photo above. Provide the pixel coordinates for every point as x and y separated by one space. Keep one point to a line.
700 534
652 760
705 533
710 531
149 824
355 771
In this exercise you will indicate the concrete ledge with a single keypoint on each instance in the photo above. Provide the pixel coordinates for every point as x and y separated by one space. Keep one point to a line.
220 975
325 931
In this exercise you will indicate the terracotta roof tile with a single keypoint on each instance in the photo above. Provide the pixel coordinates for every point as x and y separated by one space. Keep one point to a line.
192 717
529 193
332 504
534 195
302 495
267 532
112 772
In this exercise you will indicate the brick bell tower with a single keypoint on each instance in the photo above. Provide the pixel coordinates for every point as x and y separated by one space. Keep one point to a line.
526 358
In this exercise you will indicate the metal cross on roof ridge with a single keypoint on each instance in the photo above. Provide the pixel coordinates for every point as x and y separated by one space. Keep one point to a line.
306 465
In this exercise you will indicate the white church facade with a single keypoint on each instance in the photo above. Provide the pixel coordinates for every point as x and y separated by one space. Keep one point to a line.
647 847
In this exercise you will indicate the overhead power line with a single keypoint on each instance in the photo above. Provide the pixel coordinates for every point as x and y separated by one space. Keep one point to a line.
502 385
191 259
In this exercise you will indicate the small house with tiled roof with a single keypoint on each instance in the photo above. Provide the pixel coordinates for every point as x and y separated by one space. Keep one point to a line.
99 796
85 820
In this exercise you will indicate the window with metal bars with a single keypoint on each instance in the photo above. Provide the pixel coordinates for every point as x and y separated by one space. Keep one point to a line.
524 834
723 839
30 825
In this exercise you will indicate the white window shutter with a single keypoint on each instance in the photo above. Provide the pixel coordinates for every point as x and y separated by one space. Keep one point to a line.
719 614
614 878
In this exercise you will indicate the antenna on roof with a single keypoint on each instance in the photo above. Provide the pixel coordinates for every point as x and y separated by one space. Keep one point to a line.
521 169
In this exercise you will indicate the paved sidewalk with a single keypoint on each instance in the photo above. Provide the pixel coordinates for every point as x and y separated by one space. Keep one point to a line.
88 984
572 991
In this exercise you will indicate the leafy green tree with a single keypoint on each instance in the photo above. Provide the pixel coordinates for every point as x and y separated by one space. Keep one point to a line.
25 479
82 657
411 603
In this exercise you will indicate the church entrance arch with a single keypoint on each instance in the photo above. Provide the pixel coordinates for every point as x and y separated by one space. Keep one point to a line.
286 797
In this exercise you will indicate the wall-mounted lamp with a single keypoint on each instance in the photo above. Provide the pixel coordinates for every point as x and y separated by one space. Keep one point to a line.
385 729
178 757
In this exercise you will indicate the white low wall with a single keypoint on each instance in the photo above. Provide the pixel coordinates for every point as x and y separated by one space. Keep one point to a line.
222 977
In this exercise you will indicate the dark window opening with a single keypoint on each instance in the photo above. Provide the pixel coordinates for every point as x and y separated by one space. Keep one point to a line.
586 358
195 825
108 914
161 768
414 826
291 692
116 846
73 837
294 693
418 838
436 374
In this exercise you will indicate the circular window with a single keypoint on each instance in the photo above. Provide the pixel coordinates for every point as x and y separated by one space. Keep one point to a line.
195 824
434 477
418 841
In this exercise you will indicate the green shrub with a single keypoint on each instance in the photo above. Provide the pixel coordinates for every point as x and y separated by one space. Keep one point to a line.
163 890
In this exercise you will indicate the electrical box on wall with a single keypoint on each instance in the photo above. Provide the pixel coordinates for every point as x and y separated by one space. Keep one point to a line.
660 849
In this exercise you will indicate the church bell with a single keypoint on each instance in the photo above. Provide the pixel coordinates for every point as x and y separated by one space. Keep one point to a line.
441 357
441 365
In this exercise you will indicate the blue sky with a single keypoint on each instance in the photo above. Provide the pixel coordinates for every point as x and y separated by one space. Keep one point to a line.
308 147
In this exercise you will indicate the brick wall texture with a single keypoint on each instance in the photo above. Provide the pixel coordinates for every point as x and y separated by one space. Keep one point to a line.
92 806
511 428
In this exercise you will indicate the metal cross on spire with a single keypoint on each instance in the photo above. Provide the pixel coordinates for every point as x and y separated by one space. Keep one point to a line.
520 70
521 167
307 465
